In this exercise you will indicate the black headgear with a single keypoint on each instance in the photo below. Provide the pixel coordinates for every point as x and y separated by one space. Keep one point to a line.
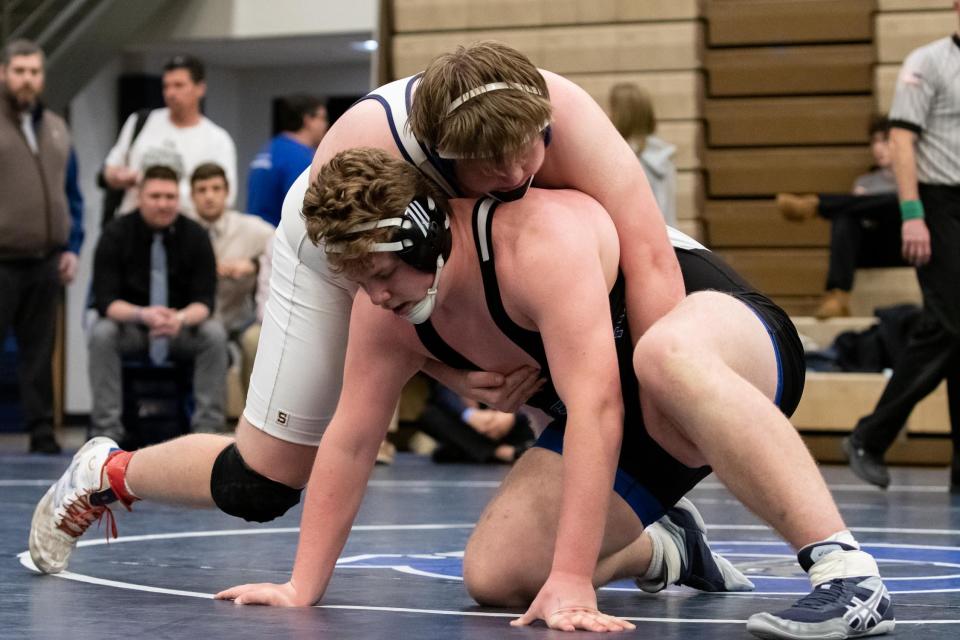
422 234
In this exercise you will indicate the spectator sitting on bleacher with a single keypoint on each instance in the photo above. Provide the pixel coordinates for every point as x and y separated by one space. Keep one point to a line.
865 226
631 111
239 240
154 281
466 432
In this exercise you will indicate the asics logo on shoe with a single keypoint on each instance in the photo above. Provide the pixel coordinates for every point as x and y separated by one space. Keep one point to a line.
865 614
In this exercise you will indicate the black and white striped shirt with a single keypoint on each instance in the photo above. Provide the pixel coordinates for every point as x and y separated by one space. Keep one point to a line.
927 102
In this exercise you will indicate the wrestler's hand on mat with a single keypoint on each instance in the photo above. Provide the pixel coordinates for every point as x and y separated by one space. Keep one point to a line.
265 593
569 603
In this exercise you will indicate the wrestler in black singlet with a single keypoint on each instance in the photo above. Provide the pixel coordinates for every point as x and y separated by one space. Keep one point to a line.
648 478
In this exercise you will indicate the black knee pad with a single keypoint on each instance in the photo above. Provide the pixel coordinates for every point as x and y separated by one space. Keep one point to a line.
240 491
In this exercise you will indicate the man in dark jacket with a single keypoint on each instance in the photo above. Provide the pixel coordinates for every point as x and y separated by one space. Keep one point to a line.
154 284
40 229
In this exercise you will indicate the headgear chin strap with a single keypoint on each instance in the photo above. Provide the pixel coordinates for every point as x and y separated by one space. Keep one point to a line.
514 194
421 311
422 239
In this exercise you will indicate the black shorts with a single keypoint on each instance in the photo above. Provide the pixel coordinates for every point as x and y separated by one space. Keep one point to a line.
648 478
705 271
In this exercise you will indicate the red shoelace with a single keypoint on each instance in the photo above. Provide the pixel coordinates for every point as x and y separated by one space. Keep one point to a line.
81 514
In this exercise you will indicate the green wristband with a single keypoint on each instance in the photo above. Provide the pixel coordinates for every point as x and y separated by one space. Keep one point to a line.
911 210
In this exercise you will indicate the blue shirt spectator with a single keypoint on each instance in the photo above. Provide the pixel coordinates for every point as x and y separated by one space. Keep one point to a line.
75 202
272 172
302 122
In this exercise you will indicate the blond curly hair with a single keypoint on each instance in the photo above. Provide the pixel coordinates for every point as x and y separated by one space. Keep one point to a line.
359 186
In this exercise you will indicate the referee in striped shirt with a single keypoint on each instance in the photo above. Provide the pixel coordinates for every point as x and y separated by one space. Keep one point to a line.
925 143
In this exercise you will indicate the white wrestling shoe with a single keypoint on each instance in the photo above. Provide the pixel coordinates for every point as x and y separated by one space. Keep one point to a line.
687 558
71 505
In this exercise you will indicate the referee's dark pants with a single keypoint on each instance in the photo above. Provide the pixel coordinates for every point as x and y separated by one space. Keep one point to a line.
29 295
933 349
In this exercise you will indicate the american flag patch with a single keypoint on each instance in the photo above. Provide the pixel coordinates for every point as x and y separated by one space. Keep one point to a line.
910 77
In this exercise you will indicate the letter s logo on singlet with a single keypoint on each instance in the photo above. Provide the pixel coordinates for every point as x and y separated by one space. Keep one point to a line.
281 417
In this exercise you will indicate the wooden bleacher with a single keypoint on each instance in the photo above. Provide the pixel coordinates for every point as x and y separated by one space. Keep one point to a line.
657 44
748 119
780 121
739 223
790 118
760 22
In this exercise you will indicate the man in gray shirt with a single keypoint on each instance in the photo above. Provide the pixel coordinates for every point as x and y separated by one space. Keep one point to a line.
925 140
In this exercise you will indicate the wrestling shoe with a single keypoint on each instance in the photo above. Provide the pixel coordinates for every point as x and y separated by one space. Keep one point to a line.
681 536
71 505
839 608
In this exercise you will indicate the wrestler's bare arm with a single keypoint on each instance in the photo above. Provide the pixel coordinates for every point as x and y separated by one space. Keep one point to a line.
377 367
573 317
588 154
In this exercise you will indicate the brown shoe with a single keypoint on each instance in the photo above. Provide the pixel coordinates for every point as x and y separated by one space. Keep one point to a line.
798 208
835 304
387 453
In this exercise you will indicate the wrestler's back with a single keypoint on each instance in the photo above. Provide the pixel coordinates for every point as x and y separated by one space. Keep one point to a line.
362 125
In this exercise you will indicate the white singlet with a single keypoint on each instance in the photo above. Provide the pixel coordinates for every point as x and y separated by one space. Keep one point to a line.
298 371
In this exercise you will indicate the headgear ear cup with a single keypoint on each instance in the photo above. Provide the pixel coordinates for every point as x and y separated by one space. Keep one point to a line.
424 234
422 239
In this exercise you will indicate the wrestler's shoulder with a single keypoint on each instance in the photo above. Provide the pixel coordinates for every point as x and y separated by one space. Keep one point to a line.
363 124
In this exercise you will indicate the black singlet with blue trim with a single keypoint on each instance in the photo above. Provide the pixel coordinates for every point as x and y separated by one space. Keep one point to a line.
648 478
546 399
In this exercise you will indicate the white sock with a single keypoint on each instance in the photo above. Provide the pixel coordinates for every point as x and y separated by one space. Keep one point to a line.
665 557
654 572
843 563
845 537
